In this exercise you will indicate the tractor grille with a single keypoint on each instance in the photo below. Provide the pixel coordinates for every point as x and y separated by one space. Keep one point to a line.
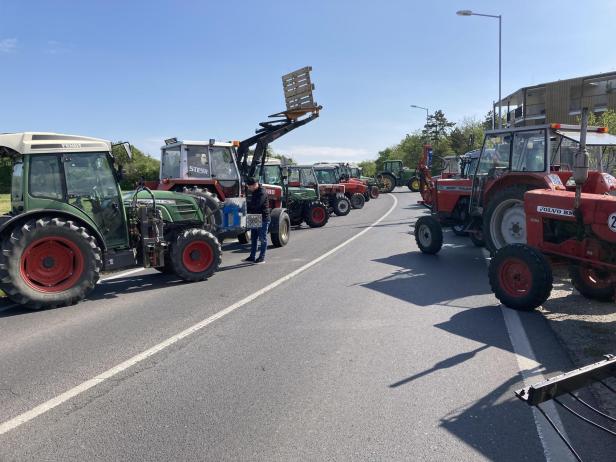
186 211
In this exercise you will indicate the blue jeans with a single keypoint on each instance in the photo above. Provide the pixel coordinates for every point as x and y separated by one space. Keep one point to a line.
259 234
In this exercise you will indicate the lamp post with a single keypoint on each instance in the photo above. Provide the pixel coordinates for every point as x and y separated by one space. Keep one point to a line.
500 18
425 109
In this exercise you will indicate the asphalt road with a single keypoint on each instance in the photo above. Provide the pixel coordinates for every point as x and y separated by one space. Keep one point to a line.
376 352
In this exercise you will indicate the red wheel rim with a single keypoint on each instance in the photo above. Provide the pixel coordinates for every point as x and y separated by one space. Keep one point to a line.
52 264
515 277
197 256
594 278
318 215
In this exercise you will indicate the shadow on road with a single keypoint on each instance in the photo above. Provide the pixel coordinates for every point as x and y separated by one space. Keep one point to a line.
445 364
458 271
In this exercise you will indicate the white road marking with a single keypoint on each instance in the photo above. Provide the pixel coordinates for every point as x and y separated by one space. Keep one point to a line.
530 369
123 273
82 387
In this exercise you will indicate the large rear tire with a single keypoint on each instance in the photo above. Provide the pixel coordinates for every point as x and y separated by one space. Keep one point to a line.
592 283
428 235
316 215
195 255
49 262
388 181
357 201
342 205
520 277
504 220
280 228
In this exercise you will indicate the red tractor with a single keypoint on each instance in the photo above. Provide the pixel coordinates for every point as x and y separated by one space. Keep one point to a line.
576 228
354 190
489 205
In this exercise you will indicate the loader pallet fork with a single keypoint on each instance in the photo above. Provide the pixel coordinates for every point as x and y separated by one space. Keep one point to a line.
565 386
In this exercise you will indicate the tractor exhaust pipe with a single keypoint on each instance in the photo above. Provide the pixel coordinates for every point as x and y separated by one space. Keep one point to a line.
580 168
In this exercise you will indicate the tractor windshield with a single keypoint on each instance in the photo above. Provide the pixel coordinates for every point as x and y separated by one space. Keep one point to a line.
355 173
304 177
272 175
198 162
222 164
170 162
327 176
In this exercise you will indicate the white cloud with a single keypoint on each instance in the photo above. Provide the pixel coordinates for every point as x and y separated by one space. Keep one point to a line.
310 154
8 45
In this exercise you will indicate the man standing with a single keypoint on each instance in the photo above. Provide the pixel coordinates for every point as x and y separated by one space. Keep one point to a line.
258 203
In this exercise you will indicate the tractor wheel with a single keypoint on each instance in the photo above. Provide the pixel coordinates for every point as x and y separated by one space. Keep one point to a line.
357 201
388 181
367 196
428 235
195 255
342 205
374 192
458 230
592 283
504 220
316 215
520 277
280 227
414 184
243 238
49 262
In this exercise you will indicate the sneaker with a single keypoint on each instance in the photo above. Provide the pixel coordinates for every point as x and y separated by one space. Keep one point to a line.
251 259
260 260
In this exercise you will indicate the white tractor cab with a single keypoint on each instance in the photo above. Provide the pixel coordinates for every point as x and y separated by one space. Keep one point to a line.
516 160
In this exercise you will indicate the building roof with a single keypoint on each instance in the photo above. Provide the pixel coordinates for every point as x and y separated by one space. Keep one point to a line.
516 98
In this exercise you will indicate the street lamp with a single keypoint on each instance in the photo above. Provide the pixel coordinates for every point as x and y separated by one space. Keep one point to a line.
424 108
499 17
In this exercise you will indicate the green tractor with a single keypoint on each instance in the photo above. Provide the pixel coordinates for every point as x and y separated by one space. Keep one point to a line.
300 194
69 221
395 174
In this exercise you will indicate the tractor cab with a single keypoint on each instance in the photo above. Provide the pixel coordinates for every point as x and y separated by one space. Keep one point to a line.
515 160
210 165
468 163
395 167
302 181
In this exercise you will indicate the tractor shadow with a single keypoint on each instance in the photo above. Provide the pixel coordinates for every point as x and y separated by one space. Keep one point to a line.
457 272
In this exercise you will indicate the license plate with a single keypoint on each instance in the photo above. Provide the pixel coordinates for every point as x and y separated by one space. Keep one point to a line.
254 220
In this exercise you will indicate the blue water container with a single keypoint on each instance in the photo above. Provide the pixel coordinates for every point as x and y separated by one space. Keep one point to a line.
231 213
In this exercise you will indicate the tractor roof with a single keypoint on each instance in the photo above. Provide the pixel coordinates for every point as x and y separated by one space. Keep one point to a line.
43 142
198 143
325 166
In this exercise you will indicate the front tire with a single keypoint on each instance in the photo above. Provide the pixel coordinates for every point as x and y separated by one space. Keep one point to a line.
195 255
49 262
520 277
592 283
316 215
357 201
428 235
374 192
280 227
504 220
414 184
342 205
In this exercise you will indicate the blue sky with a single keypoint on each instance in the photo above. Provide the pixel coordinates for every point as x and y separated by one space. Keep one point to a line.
148 70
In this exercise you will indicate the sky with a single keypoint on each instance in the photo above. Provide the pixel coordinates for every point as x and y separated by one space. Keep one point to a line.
144 71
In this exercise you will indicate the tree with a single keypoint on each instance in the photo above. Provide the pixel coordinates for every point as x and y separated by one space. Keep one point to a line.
368 167
487 121
141 166
467 136
437 126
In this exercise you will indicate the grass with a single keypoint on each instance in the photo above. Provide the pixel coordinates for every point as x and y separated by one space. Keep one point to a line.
5 203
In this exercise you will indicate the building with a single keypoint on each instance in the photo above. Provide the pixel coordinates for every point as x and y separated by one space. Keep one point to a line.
560 101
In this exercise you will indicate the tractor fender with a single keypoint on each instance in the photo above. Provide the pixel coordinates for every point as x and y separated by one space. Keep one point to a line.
532 182
8 225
